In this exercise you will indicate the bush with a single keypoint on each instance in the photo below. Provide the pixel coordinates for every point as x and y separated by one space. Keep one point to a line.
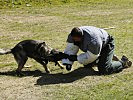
19 3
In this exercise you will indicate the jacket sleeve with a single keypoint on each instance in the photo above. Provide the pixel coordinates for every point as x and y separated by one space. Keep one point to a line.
95 46
71 49
87 57
93 52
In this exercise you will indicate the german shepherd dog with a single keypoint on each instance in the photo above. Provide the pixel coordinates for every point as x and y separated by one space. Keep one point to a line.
38 50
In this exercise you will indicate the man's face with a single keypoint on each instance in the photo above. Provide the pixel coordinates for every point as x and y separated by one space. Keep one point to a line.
76 38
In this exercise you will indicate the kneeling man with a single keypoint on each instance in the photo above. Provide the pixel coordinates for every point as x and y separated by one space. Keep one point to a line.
97 45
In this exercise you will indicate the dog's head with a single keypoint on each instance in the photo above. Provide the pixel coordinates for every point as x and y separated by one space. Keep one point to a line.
50 54
43 49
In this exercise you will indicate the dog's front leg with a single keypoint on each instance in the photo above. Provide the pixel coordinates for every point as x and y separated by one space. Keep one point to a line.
46 68
44 63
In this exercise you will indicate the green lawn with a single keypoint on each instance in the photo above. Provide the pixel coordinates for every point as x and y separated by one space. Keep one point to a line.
52 22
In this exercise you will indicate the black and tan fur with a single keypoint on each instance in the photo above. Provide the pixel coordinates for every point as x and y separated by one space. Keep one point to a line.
38 50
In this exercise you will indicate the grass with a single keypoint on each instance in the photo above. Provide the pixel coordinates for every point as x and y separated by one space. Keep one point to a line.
52 23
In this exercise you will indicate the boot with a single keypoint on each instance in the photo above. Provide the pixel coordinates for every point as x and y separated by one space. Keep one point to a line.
126 63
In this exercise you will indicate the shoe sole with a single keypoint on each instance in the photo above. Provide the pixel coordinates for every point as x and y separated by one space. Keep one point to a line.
128 63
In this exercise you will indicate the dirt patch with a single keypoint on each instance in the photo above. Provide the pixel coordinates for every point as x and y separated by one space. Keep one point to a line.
19 88
30 19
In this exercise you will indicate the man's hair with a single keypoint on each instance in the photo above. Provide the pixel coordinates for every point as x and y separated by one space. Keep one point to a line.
76 32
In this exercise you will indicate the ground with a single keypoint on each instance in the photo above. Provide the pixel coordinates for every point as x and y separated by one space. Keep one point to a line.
52 24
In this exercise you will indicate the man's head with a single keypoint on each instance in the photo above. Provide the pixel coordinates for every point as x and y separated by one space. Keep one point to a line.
76 34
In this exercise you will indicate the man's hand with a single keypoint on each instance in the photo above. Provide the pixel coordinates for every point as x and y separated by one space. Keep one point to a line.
72 57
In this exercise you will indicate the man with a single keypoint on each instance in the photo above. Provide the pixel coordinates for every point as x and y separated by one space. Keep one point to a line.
97 45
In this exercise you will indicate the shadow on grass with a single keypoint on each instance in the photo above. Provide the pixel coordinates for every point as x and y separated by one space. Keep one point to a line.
57 78
66 78
35 73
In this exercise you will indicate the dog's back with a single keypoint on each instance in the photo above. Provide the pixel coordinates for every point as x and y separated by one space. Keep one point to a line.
32 48
27 46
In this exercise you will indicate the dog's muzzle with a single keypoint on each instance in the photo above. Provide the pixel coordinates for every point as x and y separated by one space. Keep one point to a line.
57 57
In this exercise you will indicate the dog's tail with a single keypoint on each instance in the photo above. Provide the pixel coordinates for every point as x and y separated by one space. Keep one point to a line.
2 51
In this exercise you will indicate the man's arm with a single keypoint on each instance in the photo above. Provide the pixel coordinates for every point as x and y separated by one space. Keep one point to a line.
87 57
90 56
71 49
84 58
93 52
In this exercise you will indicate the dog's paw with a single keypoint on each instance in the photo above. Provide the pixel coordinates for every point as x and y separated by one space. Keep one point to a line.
19 74
47 71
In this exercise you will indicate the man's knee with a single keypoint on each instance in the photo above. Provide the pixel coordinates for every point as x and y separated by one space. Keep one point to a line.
91 64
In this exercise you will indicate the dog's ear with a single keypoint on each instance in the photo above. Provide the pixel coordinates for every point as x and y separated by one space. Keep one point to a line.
42 43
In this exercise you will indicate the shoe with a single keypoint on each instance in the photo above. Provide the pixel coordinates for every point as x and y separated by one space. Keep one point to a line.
126 63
